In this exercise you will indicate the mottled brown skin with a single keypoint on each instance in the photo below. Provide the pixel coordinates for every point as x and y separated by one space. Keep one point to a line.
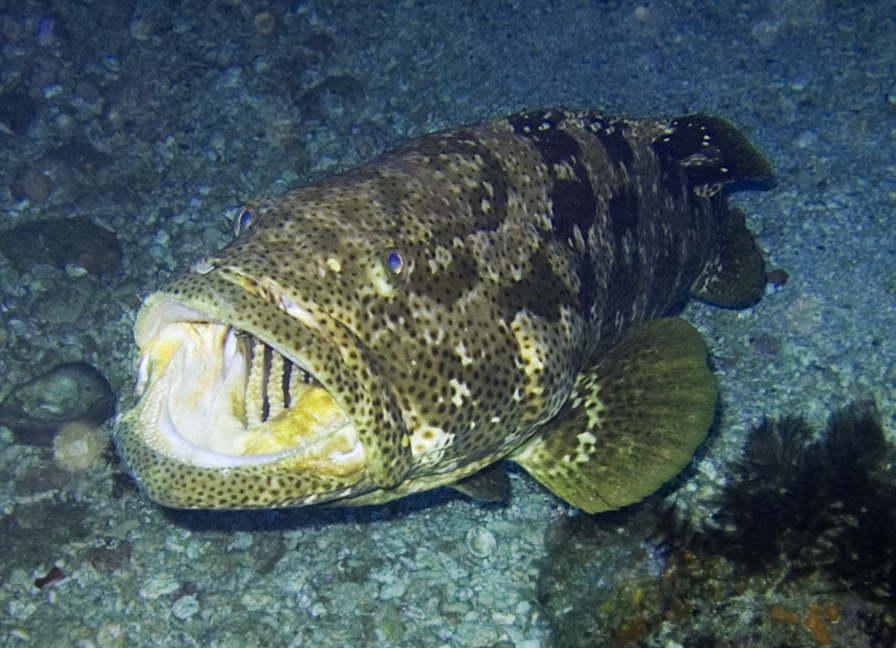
528 245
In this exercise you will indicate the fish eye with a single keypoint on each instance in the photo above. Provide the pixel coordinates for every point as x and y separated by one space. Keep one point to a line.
394 262
390 270
241 221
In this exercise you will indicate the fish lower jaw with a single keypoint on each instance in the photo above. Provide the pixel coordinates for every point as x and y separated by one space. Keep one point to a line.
214 397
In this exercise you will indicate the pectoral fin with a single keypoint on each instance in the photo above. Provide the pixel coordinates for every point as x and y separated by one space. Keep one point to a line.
632 422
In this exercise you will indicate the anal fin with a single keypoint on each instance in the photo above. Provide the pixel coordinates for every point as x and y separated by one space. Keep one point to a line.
632 422
735 277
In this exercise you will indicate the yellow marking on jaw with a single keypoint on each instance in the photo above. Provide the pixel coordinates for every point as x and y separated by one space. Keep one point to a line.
162 352
312 410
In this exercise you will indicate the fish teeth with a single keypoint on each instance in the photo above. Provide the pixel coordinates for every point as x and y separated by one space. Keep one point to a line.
272 384
273 381
296 383
229 350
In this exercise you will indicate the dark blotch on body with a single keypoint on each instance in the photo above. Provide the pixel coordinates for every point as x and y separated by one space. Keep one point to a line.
572 200
623 212
618 150
538 292
466 146
448 284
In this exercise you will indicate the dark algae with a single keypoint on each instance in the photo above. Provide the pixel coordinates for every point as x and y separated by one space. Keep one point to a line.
808 516
812 501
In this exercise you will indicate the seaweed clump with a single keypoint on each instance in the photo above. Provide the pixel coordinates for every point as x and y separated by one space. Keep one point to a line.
823 504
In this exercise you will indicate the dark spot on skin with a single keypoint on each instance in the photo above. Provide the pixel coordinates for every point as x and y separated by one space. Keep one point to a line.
572 204
572 200
587 283
449 284
672 177
554 145
624 286
623 212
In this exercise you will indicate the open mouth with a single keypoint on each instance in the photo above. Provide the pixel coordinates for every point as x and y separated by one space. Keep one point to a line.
213 395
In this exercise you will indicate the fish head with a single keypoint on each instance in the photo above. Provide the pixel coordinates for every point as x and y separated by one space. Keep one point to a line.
389 330
258 384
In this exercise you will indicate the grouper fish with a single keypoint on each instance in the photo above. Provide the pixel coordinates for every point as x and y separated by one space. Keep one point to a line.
497 291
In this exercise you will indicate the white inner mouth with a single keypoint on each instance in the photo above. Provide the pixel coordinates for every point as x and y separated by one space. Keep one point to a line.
213 396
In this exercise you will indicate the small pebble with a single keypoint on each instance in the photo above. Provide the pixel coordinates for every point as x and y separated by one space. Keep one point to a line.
481 542
185 607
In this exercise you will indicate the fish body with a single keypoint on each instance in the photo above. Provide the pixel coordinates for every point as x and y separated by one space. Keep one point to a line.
490 292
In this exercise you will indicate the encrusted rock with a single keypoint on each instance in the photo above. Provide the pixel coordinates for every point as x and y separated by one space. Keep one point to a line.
60 242
74 392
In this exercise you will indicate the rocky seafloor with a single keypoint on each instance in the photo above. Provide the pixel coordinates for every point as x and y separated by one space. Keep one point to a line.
146 125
